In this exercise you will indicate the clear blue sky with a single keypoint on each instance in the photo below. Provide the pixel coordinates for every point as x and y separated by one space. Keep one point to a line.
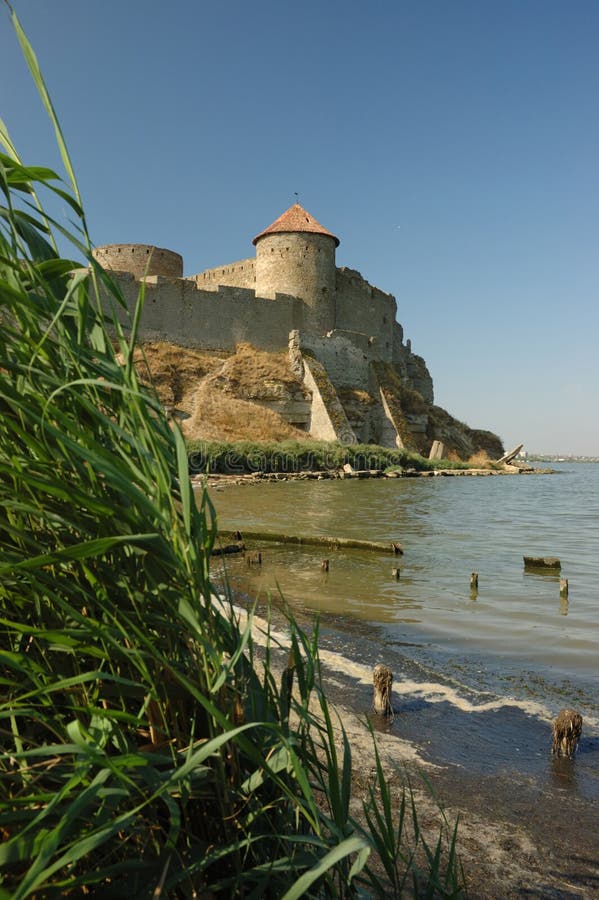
452 145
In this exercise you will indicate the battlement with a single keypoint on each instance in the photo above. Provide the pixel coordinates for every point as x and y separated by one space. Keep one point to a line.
237 274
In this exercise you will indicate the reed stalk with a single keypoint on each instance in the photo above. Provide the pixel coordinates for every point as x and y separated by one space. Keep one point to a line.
144 749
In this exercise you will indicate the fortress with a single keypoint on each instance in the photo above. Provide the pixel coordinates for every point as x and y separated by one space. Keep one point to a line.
360 380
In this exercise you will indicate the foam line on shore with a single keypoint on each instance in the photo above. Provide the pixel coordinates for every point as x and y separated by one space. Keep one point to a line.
430 691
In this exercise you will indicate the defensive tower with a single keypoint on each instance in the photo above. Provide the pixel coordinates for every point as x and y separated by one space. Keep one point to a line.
296 256
140 260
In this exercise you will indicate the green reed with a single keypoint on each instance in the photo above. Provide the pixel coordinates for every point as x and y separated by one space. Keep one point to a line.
144 749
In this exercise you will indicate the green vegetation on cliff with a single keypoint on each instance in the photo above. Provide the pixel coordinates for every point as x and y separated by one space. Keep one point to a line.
241 457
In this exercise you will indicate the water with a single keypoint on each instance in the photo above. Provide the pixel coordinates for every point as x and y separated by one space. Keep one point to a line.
514 644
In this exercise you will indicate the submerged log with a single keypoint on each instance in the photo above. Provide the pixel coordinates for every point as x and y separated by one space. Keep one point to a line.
237 547
321 541
382 678
567 729
542 562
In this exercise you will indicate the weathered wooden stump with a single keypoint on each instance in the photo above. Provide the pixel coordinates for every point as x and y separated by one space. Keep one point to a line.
542 562
563 588
567 729
396 573
324 565
382 678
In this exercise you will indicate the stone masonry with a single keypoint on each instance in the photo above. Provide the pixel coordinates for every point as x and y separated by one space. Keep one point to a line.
292 288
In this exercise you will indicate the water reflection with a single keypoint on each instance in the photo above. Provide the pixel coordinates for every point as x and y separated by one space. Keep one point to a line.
563 773
449 528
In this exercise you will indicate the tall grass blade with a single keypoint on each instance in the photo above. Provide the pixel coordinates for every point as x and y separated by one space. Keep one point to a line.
354 844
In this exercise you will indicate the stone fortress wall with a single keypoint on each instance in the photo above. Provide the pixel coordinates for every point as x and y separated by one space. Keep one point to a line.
140 260
292 286
237 274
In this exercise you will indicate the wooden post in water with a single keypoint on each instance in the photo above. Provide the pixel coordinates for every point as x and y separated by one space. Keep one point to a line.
382 678
567 729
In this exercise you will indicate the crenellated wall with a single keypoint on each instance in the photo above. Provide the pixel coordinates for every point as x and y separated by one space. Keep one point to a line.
360 307
237 274
215 319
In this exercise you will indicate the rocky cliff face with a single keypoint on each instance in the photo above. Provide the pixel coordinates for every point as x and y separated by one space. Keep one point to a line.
254 395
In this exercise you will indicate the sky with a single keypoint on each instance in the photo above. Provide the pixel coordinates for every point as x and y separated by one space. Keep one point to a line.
451 145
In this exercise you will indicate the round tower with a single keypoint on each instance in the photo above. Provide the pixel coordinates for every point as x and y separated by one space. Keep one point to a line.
140 260
296 256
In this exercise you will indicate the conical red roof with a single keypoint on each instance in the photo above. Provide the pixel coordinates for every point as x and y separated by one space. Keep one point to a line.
293 220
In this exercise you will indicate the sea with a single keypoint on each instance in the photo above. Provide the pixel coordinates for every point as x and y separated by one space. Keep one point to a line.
516 644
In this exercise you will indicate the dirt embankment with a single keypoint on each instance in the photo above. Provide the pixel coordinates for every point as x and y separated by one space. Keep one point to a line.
224 397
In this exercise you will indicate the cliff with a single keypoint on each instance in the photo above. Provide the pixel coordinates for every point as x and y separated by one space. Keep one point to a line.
255 395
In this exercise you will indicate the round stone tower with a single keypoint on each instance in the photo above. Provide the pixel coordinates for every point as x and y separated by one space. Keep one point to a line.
140 260
296 256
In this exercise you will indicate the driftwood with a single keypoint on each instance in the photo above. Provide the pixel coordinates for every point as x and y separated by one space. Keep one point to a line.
382 678
542 562
567 729
318 541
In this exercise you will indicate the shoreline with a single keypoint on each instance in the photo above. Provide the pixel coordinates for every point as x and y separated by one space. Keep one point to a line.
525 826
237 478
